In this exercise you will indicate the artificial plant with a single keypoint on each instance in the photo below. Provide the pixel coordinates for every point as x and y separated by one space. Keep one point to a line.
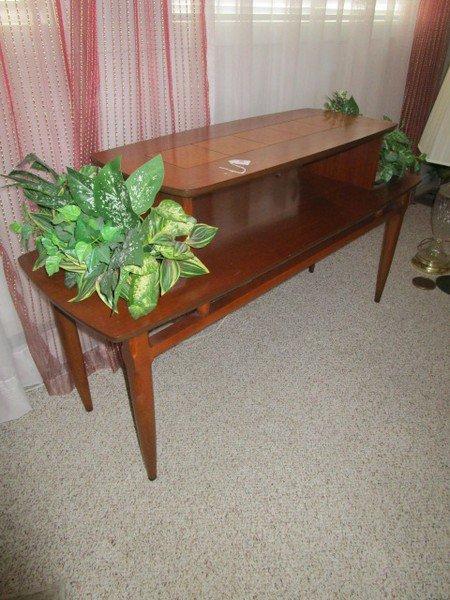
105 233
340 101
397 154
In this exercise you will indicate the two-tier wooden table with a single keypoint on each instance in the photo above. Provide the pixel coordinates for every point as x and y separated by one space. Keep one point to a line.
307 192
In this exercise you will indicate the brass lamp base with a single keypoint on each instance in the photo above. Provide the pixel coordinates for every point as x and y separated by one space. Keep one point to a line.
431 258
432 266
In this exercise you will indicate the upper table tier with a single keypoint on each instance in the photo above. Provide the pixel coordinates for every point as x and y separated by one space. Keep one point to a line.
193 159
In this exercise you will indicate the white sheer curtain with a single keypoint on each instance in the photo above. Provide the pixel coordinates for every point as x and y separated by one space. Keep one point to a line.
17 369
273 55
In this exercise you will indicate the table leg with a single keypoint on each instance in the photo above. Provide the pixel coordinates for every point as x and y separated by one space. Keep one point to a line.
68 332
391 232
138 363
188 205
311 268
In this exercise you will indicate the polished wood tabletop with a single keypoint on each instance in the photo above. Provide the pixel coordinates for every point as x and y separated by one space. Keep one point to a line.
195 160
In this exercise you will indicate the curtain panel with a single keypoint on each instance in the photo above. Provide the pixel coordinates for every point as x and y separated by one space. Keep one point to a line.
284 54
77 77
429 49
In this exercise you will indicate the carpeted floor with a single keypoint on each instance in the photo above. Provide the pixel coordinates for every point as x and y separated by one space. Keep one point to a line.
302 454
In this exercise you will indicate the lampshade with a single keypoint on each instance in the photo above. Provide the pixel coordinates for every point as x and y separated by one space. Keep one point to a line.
435 140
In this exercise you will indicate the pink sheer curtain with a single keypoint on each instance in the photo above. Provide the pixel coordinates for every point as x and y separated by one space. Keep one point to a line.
153 71
76 76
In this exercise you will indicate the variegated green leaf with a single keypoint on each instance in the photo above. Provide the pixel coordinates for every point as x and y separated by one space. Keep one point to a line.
192 267
81 188
111 196
87 284
70 279
169 273
201 235
174 251
144 183
143 295
36 163
171 210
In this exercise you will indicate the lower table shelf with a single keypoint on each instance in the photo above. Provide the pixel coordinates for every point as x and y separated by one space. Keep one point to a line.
265 225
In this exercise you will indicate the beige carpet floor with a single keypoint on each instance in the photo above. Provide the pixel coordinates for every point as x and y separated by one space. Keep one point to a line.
302 454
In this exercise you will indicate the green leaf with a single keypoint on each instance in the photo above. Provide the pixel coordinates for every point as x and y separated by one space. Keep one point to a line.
131 252
95 223
99 254
25 235
36 163
82 249
89 171
120 288
174 251
143 294
103 252
139 310
63 234
201 235
396 157
340 102
108 284
83 231
40 262
144 183
169 274
50 247
153 223
52 264
70 212
40 199
171 210
41 221
111 196
70 279
81 188
352 107
149 265
175 229
192 267
161 239
40 190
87 284
110 233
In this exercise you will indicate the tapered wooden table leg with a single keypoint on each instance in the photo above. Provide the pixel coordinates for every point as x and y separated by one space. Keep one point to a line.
138 363
68 332
188 205
391 232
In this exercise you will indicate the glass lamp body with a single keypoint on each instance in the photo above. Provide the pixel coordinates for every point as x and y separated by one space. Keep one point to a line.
433 254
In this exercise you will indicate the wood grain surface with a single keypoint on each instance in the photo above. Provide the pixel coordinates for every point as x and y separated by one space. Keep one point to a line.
194 160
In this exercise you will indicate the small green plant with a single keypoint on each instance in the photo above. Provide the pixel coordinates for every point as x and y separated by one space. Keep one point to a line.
105 233
396 155
339 101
